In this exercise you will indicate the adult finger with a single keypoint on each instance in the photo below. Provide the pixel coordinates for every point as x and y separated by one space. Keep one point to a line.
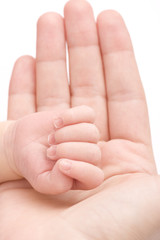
128 116
85 64
51 74
21 99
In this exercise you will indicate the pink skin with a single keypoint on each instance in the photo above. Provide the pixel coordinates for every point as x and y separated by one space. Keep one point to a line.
63 166
104 76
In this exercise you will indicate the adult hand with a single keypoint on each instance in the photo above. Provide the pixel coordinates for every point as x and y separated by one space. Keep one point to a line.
103 75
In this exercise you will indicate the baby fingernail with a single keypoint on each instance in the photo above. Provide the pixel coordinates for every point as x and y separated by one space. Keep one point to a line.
65 165
58 123
51 152
51 139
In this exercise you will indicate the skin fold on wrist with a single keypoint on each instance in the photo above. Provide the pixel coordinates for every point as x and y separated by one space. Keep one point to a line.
8 169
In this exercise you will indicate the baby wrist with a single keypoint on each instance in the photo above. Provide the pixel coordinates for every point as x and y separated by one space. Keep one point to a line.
8 169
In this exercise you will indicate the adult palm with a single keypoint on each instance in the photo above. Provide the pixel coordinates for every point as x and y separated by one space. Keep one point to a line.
103 75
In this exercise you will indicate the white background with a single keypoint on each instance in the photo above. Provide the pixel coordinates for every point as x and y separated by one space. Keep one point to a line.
18 37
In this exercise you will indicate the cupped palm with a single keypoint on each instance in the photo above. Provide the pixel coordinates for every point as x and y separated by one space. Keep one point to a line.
103 75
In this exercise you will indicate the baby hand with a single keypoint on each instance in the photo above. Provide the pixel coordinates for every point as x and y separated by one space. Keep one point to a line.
58 153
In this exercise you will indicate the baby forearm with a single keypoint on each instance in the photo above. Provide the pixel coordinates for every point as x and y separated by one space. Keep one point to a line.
7 172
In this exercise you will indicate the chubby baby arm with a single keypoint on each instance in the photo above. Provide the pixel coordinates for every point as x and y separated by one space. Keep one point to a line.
71 162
